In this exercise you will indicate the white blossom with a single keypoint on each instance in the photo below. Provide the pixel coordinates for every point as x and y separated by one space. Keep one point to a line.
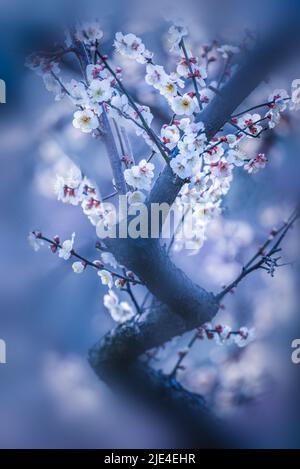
274 117
155 75
214 154
106 278
94 71
100 90
279 98
248 122
119 283
192 68
78 267
244 337
140 176
223 335
85 120
89 32
169 89
67 188
120 312
129 45
120 103
259 162
110 300
183 105
66 249
206 95
181 166
176 32
170 135
222 169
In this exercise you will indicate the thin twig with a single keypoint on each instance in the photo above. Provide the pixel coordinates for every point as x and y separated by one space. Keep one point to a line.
182 45
135 107
86 262
253 108
261 255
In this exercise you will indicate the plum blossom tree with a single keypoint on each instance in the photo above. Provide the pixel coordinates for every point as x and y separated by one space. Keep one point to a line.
202 147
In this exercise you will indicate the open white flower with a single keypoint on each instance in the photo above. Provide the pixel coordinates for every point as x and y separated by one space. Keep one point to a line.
89 32
140 176
169 89
78 267
183 105
170 135
85 120
279 98
214 154
259 162
119 105
100 90
176 32
106 278
66 249
155 76
67 189
222 169
110 300
181 166
120 312
94 71
129 45
250 123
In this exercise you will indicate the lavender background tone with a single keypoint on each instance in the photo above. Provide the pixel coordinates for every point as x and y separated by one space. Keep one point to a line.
49 317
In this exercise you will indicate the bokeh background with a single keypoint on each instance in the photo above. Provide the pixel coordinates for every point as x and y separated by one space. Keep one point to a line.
49 317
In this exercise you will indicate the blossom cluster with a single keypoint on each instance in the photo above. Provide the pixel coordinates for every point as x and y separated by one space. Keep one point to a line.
77 190
223 334
206 166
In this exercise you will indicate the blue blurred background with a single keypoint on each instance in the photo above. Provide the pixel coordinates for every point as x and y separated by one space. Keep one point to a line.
49 317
